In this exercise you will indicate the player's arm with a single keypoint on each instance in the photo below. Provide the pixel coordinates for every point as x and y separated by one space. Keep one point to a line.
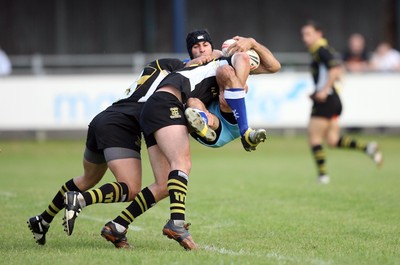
334 74
213 121
268 62
334 66
205 58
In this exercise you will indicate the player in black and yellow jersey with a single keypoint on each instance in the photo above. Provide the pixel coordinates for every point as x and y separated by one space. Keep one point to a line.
203 87
113 141
326 70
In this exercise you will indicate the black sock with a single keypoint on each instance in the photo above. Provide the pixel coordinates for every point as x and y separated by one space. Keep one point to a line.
142 202
57 204
319 157
108 193
177 189
347 142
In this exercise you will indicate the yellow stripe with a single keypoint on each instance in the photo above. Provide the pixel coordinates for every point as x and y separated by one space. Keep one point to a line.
54 207
117 188
346 141
143 79
50 212
177 182
203 132
63 190
144 202
320 154
140 204
177 211
158 65
126 212
174 187
178 205
91 192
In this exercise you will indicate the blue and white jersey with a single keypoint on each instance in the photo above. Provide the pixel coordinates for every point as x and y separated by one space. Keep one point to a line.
228 133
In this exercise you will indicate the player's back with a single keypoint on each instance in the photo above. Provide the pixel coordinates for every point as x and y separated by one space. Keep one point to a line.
198 81
136 94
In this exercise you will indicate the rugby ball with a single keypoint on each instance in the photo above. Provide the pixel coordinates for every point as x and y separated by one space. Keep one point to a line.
225 47
254 57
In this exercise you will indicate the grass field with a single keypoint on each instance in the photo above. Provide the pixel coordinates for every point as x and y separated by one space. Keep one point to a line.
262 207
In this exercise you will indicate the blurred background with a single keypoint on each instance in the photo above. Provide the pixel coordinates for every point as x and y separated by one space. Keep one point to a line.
75 57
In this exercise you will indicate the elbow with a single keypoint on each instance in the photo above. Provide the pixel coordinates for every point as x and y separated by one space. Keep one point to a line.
276 67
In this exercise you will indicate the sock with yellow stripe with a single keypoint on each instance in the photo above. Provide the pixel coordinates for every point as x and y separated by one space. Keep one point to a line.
319 157
57 204
142 202
347 142
108 193
177 190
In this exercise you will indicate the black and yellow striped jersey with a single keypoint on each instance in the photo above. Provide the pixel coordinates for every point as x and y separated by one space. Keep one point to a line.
324 57
197 81
135 95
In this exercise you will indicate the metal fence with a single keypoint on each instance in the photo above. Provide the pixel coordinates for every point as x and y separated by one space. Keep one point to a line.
40 64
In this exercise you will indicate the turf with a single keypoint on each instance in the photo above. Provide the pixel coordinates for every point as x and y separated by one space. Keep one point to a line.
262 207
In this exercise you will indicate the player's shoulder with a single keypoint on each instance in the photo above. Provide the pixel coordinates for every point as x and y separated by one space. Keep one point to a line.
169 64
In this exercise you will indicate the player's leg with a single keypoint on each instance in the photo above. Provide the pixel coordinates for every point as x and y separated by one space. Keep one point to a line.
317 130
118 137
115 230
200 119
232 81
40 224
163 119
174 143
334 139
94 169
127 172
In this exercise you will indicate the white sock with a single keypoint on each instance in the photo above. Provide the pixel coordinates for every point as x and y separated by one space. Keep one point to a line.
81 200
179 222
120 228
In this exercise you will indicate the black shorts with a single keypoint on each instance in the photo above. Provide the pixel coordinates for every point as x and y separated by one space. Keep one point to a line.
331 108
162 109
113 129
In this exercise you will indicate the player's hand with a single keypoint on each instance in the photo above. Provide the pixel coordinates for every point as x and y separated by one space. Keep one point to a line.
210 118
223 105
320 96
200 60
241 44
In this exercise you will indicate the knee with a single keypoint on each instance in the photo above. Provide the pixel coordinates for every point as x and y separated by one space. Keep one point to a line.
241 58
188 166
332 142
86 182
133 191
224 73
194 103
162 192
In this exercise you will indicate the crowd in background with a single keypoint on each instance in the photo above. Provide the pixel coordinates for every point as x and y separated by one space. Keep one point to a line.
5 64
358 59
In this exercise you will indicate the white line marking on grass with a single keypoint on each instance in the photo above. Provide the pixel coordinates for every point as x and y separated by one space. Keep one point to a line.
7 194
101 220
270 255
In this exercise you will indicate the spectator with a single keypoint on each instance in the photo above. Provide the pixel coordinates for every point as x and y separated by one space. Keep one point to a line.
385 58
355 58
5 64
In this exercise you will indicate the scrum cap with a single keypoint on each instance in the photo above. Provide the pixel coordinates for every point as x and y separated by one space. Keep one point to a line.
195 37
